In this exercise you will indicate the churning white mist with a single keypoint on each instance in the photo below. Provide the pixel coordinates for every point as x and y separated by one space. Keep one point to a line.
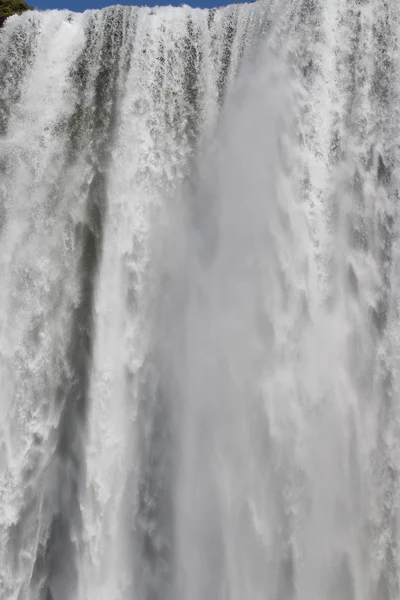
199 303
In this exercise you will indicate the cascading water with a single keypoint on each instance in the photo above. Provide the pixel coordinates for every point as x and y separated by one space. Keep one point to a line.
199 303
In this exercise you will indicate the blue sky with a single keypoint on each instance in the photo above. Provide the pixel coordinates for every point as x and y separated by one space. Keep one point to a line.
80 5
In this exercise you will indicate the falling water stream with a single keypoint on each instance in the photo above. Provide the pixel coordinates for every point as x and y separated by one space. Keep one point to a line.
200 303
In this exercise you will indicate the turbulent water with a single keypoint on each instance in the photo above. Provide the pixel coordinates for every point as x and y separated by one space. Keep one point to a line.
199 303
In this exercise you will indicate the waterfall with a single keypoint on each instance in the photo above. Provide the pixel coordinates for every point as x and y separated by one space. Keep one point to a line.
200 303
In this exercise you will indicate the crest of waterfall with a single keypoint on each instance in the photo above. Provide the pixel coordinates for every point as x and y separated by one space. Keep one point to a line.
199 303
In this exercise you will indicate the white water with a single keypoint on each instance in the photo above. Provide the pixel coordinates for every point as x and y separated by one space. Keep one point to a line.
199 303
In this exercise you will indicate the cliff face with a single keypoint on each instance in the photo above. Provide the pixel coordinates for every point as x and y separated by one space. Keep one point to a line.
12 7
